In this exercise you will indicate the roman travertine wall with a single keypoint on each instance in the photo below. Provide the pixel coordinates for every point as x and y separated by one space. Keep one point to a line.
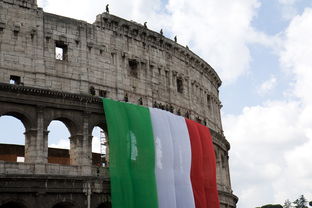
117 58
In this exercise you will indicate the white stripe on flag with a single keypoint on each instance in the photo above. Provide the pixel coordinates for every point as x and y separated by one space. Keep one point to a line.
182 161
164 159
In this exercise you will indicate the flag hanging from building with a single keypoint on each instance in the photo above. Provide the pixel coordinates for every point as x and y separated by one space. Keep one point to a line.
158 159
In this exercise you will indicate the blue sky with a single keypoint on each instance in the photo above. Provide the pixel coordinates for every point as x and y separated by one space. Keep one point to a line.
262 51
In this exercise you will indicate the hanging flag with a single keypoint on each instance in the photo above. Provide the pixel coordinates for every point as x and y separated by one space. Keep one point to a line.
158 159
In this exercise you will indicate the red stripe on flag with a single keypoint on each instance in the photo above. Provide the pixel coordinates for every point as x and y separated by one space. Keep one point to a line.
203 168
197 171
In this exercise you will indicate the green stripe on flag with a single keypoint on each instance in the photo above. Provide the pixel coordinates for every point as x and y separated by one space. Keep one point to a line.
132 155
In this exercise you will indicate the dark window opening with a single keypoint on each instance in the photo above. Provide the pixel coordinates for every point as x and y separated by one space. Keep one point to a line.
133 64
126 99
209 101
15 33
223 161
103 93
140 101
92 90
179 112
61 50
113 58
180 85
198 120
2 26
171 109
15 80
187 114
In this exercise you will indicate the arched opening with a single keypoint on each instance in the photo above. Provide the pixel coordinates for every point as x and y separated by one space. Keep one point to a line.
13 205
64 205
104 205
58 143
99 147
12 139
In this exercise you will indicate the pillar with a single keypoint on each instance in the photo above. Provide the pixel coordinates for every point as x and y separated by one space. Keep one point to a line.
80 148
36 142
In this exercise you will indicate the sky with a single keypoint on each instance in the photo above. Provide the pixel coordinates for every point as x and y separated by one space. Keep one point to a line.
262 51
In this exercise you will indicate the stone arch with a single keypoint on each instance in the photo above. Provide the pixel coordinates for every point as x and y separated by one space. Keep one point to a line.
99 122
104 205
73 120
71 125
13 204
58 143
64 205
24 117
27 121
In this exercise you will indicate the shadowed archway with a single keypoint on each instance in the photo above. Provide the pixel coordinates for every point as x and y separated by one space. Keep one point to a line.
13 205
64 205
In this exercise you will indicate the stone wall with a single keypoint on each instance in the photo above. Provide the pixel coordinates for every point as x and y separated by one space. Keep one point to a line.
117 58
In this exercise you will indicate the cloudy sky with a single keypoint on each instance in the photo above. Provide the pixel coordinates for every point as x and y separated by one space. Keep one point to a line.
262 50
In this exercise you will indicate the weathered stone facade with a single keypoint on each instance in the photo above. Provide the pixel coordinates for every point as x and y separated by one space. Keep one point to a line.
58 67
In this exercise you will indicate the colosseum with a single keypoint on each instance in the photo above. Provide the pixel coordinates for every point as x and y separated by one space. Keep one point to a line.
58 68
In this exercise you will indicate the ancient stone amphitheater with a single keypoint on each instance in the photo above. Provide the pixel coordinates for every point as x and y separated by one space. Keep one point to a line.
57 68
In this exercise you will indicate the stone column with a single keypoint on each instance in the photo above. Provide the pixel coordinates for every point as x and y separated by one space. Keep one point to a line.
30 145
36 145
80 153
75 151
80 149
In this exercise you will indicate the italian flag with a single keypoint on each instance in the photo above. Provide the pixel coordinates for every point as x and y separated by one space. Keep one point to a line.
158 159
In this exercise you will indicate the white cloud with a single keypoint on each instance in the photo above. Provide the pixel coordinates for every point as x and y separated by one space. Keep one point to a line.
218 30
65 144
272 142
297 52
267 85
96 145
263 138
287 2
61 144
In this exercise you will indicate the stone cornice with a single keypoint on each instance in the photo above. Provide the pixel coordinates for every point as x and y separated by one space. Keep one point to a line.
49 93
